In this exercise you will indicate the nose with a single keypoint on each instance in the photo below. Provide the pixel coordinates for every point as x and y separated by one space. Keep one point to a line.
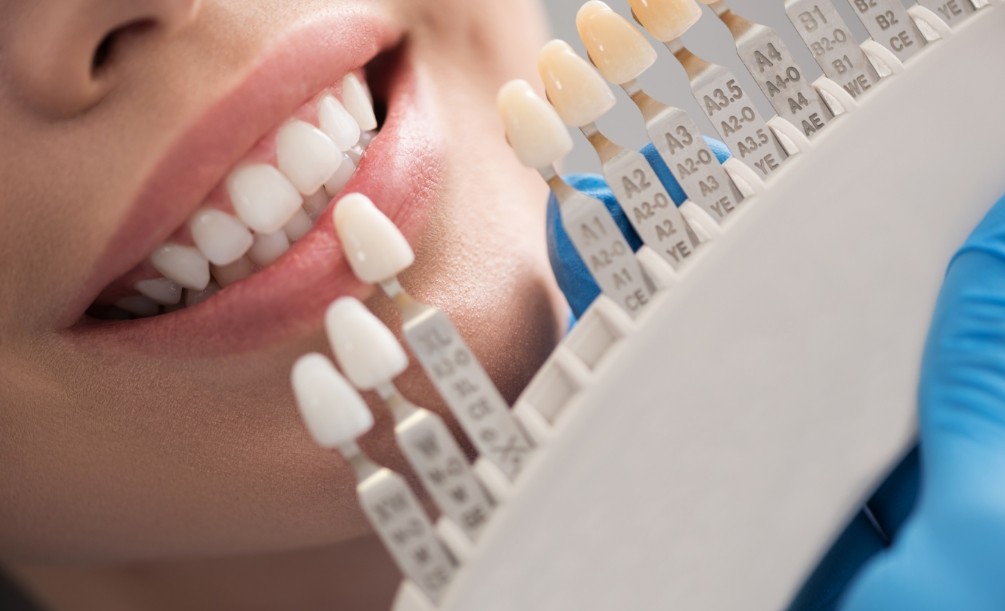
64 56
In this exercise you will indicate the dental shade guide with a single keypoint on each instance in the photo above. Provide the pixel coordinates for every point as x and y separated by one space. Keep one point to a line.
719 94
581 97
776 71
371 358
833 45
336 416
540 140
624 53
378 253
890 25
726 432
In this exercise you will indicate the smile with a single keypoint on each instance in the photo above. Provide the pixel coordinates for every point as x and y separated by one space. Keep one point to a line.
256 250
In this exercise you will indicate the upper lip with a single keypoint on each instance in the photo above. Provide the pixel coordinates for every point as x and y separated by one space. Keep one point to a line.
291 71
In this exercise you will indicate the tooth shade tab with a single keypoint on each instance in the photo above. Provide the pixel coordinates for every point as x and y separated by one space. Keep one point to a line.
184 265
220 237
306 156
533 128
358 101
376 249
575 89
336 121
160 290
666 20
333 411
364 347
263 198
617 48
268 247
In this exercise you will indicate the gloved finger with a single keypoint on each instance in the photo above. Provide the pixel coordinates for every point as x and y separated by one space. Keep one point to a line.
950 553
894 500
572 274
859 542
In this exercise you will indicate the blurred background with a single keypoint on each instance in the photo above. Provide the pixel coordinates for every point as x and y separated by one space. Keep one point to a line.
666 80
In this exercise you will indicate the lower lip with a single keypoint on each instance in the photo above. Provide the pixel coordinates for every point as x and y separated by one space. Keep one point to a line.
400 173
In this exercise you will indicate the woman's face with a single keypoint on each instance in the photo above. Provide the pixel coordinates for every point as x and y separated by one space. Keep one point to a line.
177 434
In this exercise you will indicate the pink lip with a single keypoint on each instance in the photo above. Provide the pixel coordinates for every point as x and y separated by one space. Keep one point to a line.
400 172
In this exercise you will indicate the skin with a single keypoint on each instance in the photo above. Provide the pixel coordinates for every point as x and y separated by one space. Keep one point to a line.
145 481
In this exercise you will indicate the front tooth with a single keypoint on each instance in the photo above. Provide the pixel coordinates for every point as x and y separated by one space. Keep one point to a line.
219 236
268 247
263 198
341 177
160 290
225 275
358 102
196 297
298 226
336 121
138 305
306 155
184 265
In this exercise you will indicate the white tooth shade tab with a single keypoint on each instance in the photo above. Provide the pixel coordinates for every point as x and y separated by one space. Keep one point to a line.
533 128
225 275
220 237
263 198
358 102
375 247
341 177
575 88
184 265
364 347
336 121
160 290
298 226
268 247
306 155
333 411
615 46
666 20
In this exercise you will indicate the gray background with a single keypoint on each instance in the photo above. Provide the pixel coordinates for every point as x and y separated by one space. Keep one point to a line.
666 80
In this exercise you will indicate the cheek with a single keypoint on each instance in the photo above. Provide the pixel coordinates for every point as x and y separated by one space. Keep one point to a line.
498 40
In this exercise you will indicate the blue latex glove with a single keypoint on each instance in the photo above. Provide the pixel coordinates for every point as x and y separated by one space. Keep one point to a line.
947 550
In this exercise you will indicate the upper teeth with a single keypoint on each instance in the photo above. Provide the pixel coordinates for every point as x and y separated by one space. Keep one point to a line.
358 102
273 205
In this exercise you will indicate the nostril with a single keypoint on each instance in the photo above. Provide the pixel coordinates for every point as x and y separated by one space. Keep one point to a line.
105 52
